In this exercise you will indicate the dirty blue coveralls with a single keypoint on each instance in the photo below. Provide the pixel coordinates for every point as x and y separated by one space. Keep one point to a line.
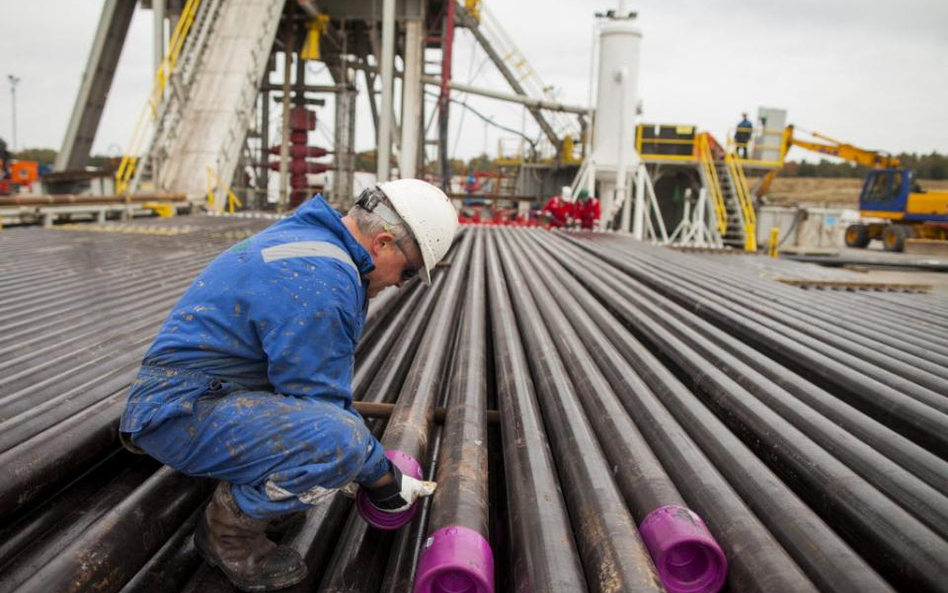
249 378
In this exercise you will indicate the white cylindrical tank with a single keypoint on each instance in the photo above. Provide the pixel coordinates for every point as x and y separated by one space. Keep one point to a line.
619 47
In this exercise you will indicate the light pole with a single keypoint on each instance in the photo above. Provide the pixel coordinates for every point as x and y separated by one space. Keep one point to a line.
13 82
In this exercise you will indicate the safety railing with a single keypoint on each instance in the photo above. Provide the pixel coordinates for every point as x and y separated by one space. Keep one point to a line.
149 113
663 149
706 160
215 183
742 192
767 141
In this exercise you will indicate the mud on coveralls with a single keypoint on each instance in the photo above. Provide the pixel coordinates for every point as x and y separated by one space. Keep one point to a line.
249 378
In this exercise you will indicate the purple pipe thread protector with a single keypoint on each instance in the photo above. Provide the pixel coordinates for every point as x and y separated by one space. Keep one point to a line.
455 559
688 558
390 521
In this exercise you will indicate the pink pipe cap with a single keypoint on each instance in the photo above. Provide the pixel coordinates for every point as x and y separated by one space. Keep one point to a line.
455 559
390 521
687 557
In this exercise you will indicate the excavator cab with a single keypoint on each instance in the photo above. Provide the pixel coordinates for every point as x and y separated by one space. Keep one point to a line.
885 192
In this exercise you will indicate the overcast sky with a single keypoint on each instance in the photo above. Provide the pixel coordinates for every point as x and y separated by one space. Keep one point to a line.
871 73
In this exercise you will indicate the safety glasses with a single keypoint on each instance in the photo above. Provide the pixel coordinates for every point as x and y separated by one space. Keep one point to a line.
409 271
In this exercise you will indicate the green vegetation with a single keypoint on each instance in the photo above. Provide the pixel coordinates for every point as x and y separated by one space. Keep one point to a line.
929 166
47 156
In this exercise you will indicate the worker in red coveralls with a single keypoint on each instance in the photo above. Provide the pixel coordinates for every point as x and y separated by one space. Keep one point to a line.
559 209
587 210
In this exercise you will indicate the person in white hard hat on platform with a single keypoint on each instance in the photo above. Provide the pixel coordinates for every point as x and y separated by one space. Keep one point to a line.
249 378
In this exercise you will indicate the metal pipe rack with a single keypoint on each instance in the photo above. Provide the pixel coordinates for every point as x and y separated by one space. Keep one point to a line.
561 387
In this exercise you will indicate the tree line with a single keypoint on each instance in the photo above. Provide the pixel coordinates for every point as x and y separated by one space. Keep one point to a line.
929 166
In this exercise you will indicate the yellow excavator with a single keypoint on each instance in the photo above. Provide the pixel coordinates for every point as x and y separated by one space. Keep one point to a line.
889 192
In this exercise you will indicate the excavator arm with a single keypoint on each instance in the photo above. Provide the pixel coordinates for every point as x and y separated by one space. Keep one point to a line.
861 156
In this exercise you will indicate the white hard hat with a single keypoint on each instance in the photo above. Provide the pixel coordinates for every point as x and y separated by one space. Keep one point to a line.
567 193
428 214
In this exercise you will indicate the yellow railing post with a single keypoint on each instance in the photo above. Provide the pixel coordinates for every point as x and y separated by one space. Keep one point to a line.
214 181
707 161
774 241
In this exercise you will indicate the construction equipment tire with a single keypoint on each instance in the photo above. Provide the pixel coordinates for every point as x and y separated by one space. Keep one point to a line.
857 235
893 237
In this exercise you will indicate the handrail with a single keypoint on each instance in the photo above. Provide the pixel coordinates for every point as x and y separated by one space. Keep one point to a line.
232 200
642 144
717 197
130 160
743 198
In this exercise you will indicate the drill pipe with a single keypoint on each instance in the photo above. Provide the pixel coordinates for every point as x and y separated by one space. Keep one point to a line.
825 312
927 503
903 412
862 514
17 535
833 449
47 546
371 357
647 489
612 552
361 553
38 467
650 392
544 555
173 564
133 530
403 557
457 549
871 353
904 452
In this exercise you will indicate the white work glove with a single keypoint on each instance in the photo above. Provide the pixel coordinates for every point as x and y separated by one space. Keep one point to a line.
400 493
349 490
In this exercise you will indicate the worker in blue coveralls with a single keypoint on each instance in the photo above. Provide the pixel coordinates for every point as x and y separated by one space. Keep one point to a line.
249 378
742 135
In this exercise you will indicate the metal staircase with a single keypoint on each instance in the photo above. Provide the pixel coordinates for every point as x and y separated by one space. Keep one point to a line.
734 230
203 111
723 177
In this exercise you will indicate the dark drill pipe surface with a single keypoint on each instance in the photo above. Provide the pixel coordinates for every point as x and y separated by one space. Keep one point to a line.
895 408
457 549
861 514
52 514
669 530
613 555
112 550
38 467
887 365
360 557
718 475
545 557
47 546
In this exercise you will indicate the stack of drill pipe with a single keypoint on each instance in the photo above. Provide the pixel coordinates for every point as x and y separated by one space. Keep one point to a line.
727 496
89 334
907 361
909 550
684 551
916 411
60 199
544 554
363 549
457 552
612 552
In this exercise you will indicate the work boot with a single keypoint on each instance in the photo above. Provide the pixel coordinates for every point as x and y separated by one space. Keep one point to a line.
236 543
